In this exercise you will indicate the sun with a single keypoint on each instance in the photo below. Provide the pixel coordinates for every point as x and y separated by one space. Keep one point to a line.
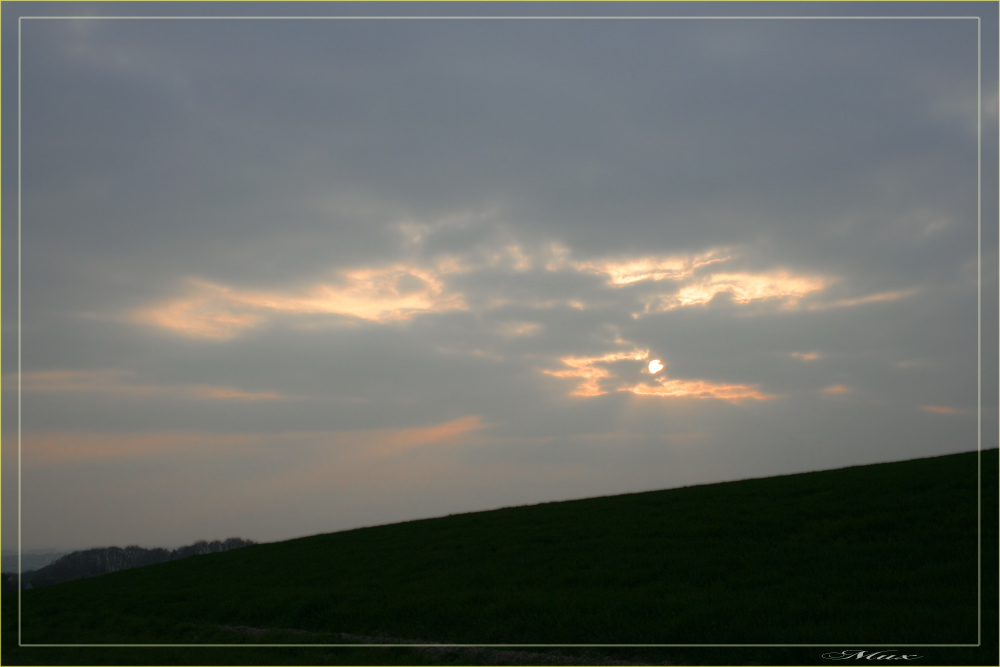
655 366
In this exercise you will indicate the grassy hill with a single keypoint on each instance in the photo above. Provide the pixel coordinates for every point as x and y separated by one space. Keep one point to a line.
872 556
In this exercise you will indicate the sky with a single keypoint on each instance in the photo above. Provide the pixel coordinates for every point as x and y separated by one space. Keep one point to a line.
288 277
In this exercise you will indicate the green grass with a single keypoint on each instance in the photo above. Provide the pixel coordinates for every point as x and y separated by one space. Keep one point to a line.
871 555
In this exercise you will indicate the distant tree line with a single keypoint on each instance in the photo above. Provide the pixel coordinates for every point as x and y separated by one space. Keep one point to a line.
94 562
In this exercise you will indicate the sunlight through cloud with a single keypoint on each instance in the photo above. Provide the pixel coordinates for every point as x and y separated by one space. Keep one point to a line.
381 295
595 378
745 288
590 374
880 297
626 272
672 388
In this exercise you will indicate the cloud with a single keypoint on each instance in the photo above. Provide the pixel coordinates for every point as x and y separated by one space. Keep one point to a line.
880 297
592 371
627 272
405 290
230 393
71 446
836 390
942 410
402 291
673 388
779 286
377 294
62 447
208 311
116 382
596 378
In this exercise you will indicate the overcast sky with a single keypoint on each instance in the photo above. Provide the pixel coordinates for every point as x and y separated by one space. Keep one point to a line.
285 277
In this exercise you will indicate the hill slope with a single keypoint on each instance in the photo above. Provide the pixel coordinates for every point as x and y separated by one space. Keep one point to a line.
867 555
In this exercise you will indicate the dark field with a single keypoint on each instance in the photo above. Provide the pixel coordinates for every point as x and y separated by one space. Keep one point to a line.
880 556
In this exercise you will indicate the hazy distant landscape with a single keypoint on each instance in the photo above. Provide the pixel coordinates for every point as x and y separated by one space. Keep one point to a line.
60 567
866 555
31 559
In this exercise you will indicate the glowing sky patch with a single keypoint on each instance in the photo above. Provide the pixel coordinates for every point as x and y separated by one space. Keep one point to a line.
401 291
116 382
880 297
232 394
673 388
208 311
70 381
381 295
941 410
745 288
626 272
806 356
836 390
595 378
590 370
378 295
62 446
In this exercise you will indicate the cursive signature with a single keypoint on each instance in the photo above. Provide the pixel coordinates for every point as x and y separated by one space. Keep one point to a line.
858 654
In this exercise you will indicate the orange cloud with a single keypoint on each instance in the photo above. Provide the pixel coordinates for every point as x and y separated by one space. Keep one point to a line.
805 356
744 288
942 410
67 447
116 382
626 272
836 389
218 312
208 311
674 388
401 291
590 374
230 393
595 379
871 298
111 381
